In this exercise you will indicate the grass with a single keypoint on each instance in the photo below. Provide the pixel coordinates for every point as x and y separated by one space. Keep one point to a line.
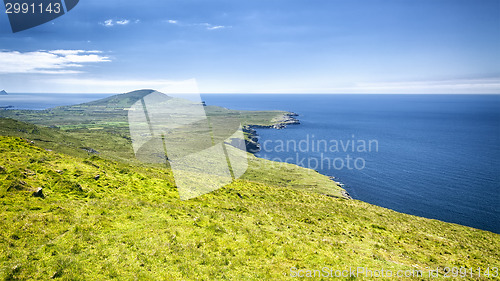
129 224
108 216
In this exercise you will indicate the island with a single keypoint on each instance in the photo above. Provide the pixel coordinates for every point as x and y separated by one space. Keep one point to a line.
3 93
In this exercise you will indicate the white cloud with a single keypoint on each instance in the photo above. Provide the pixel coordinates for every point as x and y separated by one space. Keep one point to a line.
111 22
48 62
122 22
208 26
285 86
452 86
108 23
215 27
433 86
73 52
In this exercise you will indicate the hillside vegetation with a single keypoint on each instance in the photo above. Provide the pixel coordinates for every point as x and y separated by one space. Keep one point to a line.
102 219
104 215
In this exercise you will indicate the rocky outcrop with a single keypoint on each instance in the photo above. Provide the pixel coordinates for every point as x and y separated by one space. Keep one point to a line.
252 140
286 119
3 93
38 193
344 193
90 150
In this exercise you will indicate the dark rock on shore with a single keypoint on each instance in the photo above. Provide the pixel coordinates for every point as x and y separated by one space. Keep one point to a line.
252 143
38 193
287 119
346 194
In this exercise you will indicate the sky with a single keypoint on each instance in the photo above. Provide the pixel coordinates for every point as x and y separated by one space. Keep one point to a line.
259 46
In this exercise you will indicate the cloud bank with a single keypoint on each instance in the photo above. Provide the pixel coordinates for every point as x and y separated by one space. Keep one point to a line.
48 62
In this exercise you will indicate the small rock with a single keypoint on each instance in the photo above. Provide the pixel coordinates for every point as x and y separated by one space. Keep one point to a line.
56 274
346 194
59 171
90 150
28 172
38 193
97 177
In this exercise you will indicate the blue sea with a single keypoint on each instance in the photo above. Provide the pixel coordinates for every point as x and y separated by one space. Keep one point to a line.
43 101
435 156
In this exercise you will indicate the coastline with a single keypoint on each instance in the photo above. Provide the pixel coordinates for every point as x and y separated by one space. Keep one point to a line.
252 141
288 118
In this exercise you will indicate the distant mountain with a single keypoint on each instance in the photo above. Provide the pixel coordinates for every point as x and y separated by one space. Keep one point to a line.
120 101
3 93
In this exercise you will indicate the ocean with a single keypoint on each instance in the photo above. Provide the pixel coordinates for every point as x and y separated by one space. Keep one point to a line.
44 101
435 156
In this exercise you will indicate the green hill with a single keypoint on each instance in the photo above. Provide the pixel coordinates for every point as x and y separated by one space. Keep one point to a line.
102 219
114 147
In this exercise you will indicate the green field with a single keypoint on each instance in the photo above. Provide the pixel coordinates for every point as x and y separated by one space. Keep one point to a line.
108 216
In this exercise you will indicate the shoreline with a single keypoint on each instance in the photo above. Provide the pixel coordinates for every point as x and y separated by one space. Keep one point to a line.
253 146
252 143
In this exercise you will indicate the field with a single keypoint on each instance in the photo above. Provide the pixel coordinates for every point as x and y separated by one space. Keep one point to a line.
105 215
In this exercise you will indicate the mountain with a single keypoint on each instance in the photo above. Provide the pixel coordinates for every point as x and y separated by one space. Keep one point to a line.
3 93
120 101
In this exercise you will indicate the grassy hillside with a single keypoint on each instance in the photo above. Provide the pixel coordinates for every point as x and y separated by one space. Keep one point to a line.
105 215
114 147
102 219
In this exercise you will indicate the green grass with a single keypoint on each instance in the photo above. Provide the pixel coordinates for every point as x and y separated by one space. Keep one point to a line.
109 216
117 148
129 224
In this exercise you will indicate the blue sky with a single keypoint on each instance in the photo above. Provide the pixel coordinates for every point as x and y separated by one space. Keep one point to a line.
277 46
